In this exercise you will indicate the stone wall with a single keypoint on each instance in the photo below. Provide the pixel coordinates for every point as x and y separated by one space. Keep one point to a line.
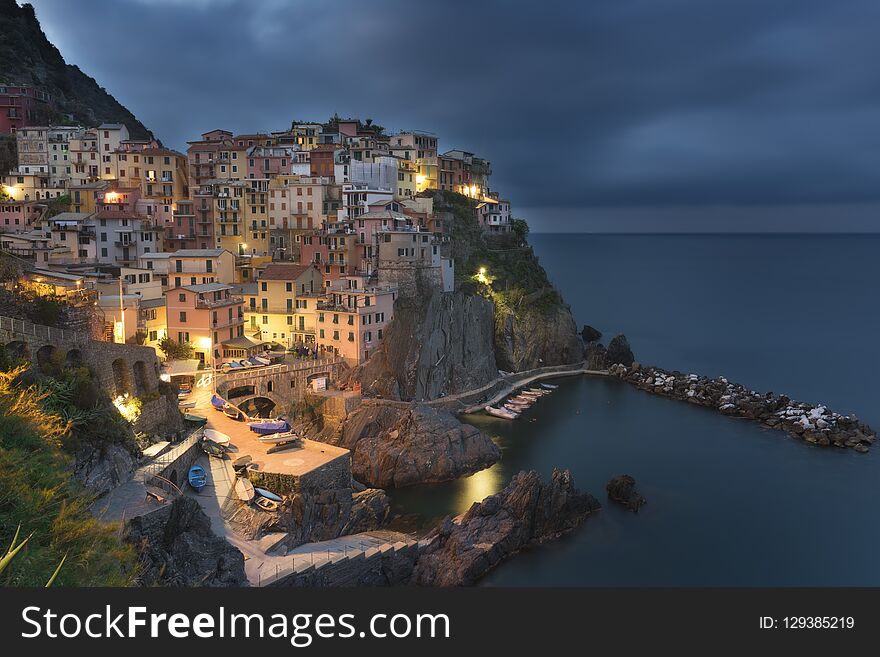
411 282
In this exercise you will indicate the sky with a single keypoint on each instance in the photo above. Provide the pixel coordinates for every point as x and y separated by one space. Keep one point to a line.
593 113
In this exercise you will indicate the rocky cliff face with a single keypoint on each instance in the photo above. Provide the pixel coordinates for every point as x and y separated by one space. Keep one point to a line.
529 338
101 468
400 445
526 512
178 548
442 346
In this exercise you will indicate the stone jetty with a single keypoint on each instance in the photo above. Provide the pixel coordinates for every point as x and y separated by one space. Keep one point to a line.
813 423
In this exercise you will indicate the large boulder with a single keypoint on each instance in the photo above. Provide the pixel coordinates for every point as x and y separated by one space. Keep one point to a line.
394 445
589 334
619 352
532 336
527 512
102 467
178 548
622 489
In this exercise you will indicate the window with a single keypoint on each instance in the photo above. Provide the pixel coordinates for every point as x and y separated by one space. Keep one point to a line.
183 317
181 297
289 287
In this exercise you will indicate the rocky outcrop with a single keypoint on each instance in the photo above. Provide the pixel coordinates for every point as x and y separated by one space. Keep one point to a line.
440 347
525 513
178 548
533 336
394 445
370 509
102 467
589 334
813 423
622 489
596 356
619 352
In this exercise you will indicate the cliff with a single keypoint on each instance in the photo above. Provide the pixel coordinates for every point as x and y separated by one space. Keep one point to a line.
401 445
27 56
439 347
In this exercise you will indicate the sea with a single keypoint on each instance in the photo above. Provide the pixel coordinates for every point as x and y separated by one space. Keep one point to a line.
729 503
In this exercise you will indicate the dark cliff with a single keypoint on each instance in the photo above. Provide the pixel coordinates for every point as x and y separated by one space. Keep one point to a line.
28 57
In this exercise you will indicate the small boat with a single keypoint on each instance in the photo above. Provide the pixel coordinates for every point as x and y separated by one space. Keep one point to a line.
266 504
280 437
269 426
197 478
525 401
528 394
195 417
262 492
513 408
216 436
280 447
261 360
501 412
231 411
242 462
213 449
186 404
183 395
538 391
244 490
549 386
217 402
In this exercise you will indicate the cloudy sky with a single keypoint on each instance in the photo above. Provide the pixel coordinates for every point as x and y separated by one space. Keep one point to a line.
606 106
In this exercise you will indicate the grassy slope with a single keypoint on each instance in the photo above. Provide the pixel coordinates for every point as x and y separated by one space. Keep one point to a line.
37 491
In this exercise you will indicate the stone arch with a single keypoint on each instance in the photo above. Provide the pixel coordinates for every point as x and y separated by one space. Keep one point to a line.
122 377
46 358
259 406
172 476
73 358
241 391
141 378
18 350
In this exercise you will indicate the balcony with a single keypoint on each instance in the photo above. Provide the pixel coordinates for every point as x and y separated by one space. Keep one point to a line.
123 243
217 303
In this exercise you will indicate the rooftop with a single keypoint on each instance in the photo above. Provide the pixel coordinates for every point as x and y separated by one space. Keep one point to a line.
198 253
207 287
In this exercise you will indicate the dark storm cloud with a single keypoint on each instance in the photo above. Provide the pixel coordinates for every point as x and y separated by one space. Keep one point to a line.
630 102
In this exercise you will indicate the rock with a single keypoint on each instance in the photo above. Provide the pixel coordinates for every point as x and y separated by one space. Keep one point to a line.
596 356
589 334
401 445
442 346
622 489
619 351
526 512
530 337
178 548
370 510
101 468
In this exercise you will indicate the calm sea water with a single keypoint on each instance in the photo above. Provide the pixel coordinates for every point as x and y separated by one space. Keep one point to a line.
729 503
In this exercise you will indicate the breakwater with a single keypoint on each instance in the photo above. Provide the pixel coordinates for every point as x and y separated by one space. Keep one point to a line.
813 423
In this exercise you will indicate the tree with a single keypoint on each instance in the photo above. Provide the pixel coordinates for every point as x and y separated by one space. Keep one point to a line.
175 350
521 229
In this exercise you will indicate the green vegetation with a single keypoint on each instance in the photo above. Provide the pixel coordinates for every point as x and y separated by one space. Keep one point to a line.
8 157
57 206
27 56
175 350
39 423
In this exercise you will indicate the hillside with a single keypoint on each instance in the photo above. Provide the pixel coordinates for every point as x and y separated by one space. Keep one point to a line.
27 56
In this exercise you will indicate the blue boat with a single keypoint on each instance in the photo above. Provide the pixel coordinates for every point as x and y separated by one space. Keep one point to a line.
197 478
217 403
269 427
269 495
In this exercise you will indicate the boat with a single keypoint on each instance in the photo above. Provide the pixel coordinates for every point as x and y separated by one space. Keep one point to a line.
280 447
525 401
186 404
195 417
183 395
213 449
244 490
269 426
501 412
280 437
266 504
261 360
197 478
549 386
513 408
538 391
530 395
231 411
216 436
217 402
242 462
262 492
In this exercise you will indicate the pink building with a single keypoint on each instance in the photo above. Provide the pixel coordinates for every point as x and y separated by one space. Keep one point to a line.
19 216
269 161
334 251
209 317
352 322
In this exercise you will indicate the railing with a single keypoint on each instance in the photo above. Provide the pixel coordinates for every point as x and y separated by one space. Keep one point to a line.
27 328
318 363
150 472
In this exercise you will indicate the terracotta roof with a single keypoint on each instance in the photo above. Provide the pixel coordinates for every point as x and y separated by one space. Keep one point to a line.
283 271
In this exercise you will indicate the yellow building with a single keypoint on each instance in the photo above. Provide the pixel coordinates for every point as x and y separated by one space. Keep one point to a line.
153 321
286 299
160 173
407 175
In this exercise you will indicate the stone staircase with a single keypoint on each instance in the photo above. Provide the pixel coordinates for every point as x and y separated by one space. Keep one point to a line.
337 568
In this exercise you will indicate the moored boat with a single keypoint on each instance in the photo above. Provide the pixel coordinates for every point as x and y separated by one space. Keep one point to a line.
195 417
189 404
266 504
242 462
262 492
549 386
280 437
501 412
231 411
217 436
538 391
217 402
515 408
244 490
267 427
213 449
197 478
525 401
